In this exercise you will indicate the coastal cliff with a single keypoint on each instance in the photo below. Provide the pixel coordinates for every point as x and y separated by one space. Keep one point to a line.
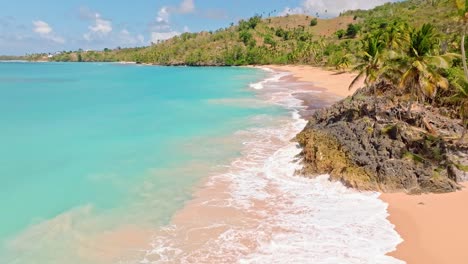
371 143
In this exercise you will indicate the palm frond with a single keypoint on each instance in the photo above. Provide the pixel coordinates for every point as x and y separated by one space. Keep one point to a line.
460 4
359 77
407 77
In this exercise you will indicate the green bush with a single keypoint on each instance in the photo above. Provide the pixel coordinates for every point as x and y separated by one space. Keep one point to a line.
340 33
352 30
313 22
245 36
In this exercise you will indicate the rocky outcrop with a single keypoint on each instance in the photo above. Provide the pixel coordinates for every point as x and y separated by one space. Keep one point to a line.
373 144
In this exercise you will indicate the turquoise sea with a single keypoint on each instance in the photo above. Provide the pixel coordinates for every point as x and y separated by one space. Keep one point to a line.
106 163
90 147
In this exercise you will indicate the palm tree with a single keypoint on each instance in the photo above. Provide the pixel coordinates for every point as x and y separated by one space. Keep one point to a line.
423 77
396 35
460 99
344 62
462 6
371 65
317 51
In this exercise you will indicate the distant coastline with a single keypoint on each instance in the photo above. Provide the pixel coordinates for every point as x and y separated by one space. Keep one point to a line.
14 61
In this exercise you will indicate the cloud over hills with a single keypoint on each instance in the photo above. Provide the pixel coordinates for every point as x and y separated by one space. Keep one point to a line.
332 7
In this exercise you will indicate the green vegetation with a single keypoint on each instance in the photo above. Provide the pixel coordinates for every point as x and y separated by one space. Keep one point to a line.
280 40
462 167
352 30
290 39
9 58
370 66
413 156
340 33
423 66
313 22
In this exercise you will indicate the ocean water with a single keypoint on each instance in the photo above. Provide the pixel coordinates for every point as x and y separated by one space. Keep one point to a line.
110 138
109 163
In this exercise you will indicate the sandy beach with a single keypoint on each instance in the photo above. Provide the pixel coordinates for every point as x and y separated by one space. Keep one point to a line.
334 82
434 226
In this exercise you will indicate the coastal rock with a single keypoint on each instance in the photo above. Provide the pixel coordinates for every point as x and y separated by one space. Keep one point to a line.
459 168
371 143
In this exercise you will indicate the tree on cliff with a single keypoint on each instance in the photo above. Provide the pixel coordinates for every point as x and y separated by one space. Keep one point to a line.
422 66
371 64
396 36
462 94
460 98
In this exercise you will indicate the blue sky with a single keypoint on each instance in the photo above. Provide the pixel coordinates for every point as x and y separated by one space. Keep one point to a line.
30 26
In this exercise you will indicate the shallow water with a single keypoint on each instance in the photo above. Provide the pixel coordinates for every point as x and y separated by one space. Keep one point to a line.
109 163
89 150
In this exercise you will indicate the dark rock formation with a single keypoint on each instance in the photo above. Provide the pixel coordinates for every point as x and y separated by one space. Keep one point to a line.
372 143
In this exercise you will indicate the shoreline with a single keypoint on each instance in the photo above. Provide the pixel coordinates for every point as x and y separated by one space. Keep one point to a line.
331 87
433 226
243 213
332 82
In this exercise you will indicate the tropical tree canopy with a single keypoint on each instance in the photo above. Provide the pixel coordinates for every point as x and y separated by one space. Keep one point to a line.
423 74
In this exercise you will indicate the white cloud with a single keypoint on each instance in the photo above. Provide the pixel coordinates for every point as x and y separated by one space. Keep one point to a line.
163 15
332 7
41 27
292 11
101 27
157 36
45 31
103 33
186 6
161 29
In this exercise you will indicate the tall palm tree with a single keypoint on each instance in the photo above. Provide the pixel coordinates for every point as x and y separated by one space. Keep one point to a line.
423 77
462 6
371 64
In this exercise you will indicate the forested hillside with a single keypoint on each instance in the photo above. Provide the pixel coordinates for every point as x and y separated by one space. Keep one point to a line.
288 39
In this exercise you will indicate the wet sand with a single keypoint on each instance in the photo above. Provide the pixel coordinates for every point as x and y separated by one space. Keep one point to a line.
434 226
319 88
332 81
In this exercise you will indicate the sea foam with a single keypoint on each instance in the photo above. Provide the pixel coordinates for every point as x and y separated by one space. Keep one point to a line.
285 218
275 77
